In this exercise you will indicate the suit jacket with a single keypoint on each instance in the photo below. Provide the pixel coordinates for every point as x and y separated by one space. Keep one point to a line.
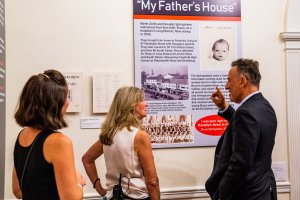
242 165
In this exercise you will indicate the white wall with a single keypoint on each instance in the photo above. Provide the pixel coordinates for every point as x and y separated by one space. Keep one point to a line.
97 36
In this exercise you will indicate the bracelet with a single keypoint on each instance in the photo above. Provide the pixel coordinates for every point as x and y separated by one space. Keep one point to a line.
94 184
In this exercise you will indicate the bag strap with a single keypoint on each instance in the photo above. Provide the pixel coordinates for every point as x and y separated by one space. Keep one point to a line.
120 179
28 155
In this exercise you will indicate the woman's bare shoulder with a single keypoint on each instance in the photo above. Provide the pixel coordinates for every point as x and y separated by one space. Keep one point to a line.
57 145
142 140
141 135
58 138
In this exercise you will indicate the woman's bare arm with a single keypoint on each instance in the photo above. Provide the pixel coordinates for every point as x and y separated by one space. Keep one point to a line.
15 185
88 160
143 147
58 150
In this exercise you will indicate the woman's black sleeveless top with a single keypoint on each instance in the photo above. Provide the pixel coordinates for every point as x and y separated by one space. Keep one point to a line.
39 180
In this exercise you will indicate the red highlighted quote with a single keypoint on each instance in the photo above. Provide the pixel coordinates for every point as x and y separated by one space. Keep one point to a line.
213 125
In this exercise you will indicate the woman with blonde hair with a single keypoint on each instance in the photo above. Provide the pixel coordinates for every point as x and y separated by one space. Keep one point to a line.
126 148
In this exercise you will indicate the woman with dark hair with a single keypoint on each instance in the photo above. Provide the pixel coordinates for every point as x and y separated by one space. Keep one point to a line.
44 165
126 148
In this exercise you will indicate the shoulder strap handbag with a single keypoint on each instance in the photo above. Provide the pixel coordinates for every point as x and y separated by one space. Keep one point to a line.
28 155
117 190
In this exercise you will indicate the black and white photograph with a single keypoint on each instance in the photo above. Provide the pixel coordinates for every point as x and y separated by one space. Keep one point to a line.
219 48
169 129
165 82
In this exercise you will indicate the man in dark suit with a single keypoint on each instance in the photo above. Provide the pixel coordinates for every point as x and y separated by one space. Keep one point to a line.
242 165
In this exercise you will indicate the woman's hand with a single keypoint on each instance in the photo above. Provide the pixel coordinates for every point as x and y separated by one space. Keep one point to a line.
102 191
80 179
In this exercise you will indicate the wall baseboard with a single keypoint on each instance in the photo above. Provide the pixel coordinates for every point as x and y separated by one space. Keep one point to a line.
197 192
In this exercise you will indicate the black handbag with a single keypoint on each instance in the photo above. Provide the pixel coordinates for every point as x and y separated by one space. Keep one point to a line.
117 191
